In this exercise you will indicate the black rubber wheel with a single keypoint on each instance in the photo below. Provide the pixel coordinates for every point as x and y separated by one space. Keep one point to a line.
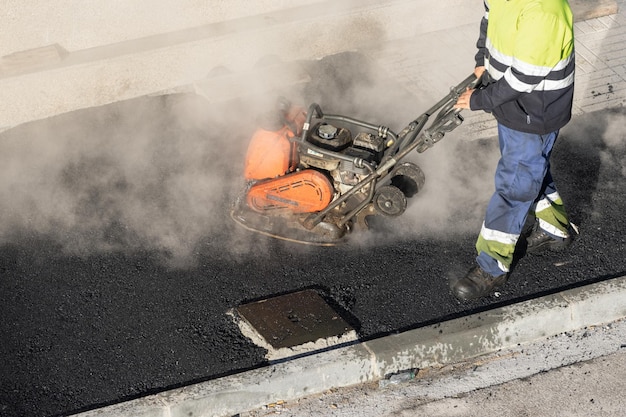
390 201
409 178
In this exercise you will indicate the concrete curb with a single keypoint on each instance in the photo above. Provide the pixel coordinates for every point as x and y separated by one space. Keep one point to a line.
442 344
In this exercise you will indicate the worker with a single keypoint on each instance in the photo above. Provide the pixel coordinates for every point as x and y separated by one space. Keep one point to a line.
526 64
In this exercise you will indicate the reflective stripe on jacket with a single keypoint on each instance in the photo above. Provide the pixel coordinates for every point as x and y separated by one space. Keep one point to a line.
527 47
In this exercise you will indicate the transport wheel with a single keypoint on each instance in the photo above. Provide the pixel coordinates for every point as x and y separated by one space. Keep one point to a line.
409 178
390 201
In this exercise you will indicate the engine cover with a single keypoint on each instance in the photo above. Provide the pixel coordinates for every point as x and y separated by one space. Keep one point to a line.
304 191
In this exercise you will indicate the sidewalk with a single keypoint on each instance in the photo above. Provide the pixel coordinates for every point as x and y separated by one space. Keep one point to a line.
575 374
432 63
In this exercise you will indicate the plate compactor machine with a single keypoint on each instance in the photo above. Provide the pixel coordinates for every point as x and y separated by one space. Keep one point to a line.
314 178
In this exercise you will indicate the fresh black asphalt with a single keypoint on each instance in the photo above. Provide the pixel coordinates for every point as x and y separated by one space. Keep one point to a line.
97 310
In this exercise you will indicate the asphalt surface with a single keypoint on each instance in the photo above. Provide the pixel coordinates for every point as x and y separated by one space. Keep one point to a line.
118 261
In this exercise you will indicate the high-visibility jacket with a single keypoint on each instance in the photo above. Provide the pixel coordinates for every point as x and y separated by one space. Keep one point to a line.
527 47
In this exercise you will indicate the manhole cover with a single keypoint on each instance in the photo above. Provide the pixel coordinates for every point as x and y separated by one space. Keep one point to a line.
294 319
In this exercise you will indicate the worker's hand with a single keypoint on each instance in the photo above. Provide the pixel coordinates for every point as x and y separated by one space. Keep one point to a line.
463 101
478 71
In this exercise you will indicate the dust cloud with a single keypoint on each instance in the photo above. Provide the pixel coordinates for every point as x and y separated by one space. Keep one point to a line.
148 173
613 138
459 183
160 173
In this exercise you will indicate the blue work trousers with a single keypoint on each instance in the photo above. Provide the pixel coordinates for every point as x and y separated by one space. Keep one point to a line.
522 177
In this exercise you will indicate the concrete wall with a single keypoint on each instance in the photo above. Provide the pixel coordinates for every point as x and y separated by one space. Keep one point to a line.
70 54
82 24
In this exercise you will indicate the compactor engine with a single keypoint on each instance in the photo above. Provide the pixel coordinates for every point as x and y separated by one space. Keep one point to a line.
313 177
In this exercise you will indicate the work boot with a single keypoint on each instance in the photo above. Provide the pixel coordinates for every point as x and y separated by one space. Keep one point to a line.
539 240
477 283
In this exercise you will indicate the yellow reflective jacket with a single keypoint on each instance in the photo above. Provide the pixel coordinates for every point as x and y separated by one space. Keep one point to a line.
527 47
